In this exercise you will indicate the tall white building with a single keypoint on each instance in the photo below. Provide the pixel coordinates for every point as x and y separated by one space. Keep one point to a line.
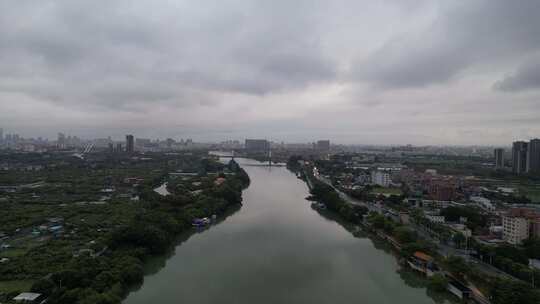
515 229
380 178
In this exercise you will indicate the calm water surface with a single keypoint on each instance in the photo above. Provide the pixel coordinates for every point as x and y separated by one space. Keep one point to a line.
276 249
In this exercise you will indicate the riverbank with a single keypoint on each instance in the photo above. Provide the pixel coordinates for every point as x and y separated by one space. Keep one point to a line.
153 231
276 249
358 220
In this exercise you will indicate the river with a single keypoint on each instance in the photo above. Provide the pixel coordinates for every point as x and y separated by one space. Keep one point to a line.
277 249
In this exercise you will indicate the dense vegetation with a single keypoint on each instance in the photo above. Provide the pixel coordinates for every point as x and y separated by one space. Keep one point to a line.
325 194
116 237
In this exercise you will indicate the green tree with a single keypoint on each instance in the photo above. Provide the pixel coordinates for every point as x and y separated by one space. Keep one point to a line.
377 221
532 248
457 266
438 282
405 235
44 286
505 291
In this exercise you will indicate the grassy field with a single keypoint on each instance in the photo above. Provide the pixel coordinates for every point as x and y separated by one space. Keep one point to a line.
12 253
11 286
386 191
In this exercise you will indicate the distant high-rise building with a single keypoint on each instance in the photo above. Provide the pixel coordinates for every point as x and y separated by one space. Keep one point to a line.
61 141
119 147
519 157
533 156
257 145
1 135
499 158
130 143
111 147
323 145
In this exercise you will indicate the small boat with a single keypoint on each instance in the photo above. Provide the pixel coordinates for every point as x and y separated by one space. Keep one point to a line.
200 222
318 205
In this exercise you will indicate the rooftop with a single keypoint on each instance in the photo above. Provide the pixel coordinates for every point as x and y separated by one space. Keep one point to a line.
422 256
523 212
27 296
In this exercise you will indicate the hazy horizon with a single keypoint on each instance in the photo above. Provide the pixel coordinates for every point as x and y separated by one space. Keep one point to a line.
355 72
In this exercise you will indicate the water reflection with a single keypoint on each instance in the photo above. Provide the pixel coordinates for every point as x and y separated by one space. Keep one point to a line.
411 278
276 249
155 263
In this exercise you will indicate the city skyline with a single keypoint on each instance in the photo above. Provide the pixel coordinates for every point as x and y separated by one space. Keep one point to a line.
395 72
60 137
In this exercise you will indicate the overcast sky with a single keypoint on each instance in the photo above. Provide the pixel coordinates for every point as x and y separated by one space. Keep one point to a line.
363 72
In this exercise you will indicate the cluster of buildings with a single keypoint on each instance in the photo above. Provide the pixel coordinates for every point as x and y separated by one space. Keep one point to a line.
68 142
133 144
437 187
15 141
129 145
63 141
506 222
322 146
373 176
257 145
525 157
263 145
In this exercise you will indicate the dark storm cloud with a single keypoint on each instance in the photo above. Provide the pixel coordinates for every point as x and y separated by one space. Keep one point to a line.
266 73
271 68
125 52
526 77
462 35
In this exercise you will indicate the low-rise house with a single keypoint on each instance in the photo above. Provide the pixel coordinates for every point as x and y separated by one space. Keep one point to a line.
435 218
28 297
422 262
460 228
133 180
483 202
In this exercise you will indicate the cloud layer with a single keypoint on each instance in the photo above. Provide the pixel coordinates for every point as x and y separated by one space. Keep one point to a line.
354 71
